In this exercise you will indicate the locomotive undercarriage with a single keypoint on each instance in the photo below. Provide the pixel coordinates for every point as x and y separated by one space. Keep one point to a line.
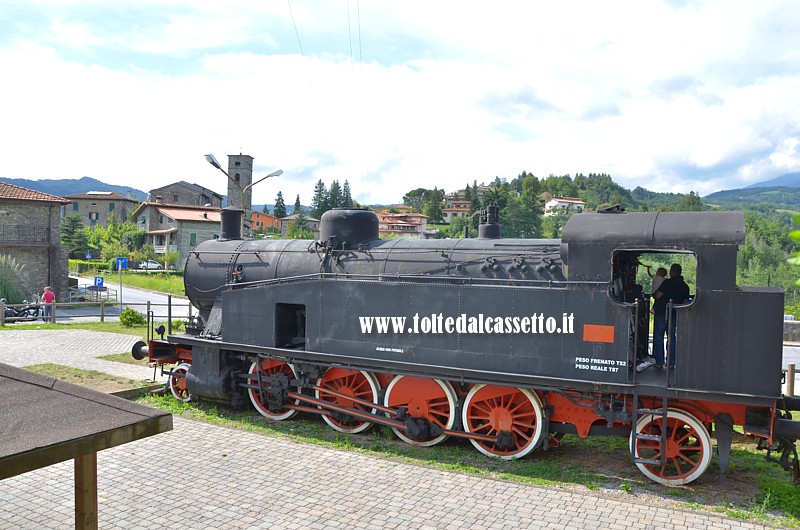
670 439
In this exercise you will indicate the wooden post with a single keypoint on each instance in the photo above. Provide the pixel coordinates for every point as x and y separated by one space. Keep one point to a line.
2 314
790 380
86 492
53 313
102 310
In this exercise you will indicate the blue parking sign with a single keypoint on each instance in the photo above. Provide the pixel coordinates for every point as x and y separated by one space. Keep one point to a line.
98 281
122 263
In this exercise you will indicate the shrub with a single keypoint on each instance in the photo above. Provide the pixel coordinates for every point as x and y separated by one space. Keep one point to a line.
130 318
10 279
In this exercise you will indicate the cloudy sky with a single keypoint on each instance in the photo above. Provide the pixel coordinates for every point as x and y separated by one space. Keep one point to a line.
394 95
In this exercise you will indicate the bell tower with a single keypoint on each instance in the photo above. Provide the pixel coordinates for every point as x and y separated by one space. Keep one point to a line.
240 171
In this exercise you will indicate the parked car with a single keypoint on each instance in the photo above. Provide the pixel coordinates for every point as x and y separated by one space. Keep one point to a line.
150 264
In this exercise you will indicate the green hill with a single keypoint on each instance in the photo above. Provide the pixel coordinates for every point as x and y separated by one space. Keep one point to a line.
779 197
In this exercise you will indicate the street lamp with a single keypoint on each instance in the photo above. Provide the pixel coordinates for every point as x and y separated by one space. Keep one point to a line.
211 159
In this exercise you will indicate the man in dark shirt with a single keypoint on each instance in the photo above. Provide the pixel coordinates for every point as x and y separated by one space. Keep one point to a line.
674 290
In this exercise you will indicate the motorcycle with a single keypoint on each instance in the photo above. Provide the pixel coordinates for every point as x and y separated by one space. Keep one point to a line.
28 313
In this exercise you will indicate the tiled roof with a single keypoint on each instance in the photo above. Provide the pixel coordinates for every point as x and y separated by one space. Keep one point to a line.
10 191
568 199
193 214
101 195
294 216
162 231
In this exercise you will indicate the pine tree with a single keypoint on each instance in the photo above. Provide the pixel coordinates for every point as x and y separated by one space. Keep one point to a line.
319 203
347 196
280 207
73 236
335 197
298 208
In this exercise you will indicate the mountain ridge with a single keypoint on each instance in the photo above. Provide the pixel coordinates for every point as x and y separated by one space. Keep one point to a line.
64 187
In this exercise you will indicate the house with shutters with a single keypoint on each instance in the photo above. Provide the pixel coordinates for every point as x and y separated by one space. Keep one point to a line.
96 207
176 227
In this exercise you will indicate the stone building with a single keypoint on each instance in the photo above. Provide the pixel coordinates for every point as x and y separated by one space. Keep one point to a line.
30 232
97 207
184 193
176 227
311 223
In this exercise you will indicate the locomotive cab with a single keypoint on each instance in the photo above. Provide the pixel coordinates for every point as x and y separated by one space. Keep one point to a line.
723 332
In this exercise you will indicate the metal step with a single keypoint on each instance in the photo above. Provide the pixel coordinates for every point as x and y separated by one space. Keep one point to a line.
653 461
651 437
655 412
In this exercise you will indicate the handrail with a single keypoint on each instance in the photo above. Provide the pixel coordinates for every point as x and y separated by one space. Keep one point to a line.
467 280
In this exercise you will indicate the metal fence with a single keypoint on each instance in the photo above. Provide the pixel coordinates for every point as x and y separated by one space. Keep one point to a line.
24 234
101 310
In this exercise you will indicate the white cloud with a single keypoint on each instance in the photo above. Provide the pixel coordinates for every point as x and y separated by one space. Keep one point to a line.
700 97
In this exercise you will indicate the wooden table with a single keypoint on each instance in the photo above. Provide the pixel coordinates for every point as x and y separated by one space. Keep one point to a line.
44 421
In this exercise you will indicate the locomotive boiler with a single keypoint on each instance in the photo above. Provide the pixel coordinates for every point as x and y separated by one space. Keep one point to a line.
509 343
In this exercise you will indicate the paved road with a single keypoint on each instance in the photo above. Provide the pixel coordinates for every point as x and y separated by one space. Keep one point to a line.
138 298
202 476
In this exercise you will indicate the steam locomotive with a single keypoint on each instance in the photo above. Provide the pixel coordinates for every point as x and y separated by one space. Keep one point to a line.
509 343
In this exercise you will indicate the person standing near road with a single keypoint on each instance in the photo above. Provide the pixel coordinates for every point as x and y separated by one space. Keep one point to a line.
48 298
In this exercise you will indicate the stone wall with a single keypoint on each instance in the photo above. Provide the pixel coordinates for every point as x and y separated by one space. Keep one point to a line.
38 245
185 195
791 331
203 231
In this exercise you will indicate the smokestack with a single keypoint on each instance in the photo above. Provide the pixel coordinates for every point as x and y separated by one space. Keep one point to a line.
230 223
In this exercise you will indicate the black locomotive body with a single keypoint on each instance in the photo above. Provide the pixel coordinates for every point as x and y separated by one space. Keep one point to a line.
510 343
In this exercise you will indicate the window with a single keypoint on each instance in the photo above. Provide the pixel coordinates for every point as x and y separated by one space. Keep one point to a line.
174 198
160 218
142 219
237 177
193 239
74 206
111 207
94 216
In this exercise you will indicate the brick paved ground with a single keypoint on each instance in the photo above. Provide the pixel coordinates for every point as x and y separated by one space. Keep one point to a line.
203 476
70 347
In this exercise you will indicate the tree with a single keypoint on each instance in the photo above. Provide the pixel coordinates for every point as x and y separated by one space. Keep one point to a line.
279 210
433 210
416 198
347 196
319 203
552 224
297 228
298 208
335 197
74 237
265 210
691 203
